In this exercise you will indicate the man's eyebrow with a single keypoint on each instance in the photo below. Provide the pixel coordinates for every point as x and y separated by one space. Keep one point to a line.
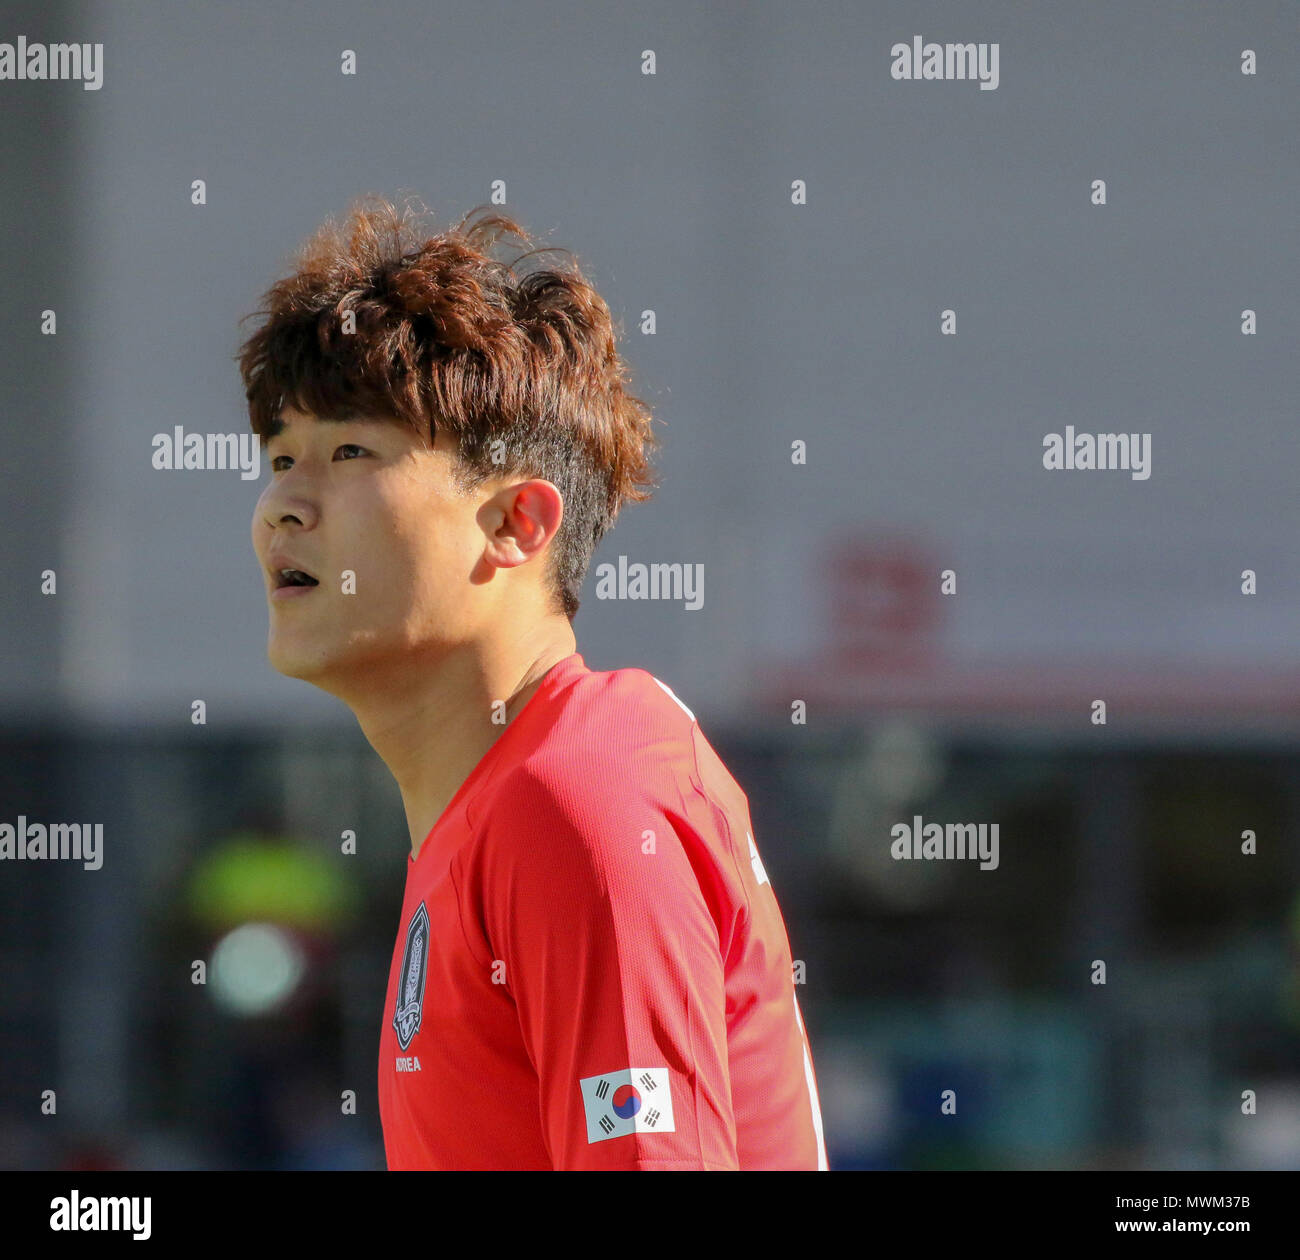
277 424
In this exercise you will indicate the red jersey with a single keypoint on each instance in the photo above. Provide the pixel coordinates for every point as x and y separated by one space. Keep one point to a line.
591 970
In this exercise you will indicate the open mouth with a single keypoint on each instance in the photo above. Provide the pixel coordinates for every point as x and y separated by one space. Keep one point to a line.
294 577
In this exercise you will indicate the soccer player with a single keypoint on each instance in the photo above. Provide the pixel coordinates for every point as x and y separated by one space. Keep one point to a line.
591 970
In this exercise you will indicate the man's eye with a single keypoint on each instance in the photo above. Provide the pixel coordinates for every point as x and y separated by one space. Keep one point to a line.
280 462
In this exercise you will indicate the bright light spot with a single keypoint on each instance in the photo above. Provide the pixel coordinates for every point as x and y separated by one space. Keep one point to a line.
255 968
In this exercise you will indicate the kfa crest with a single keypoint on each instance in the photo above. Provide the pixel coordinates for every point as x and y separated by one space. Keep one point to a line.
410 980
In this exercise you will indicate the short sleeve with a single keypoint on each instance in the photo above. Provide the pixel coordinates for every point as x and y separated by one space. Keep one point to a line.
613 959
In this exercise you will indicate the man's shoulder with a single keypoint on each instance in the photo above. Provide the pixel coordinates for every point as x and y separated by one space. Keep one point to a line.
626 690
612 721
619 744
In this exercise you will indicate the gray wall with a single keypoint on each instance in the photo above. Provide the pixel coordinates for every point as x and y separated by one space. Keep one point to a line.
776 322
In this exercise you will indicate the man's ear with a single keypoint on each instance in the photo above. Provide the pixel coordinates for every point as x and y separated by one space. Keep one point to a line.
520 520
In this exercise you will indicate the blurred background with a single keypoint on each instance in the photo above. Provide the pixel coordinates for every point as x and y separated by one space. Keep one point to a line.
778 225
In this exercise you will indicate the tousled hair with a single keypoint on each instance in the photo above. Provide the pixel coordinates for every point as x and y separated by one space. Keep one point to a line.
447 335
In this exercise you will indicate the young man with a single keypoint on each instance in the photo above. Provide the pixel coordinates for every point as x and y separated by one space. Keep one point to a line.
591 970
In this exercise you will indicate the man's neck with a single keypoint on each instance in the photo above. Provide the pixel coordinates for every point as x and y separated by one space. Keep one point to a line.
432 726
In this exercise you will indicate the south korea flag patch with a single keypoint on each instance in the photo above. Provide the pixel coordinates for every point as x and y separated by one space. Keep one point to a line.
635 1100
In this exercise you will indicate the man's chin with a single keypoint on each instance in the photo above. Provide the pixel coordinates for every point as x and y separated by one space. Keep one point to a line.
301 665
336 667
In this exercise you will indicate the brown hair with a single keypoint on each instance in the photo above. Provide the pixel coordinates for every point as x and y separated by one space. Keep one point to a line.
448 335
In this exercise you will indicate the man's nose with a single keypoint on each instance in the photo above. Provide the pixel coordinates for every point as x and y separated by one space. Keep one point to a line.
290 497
288 501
